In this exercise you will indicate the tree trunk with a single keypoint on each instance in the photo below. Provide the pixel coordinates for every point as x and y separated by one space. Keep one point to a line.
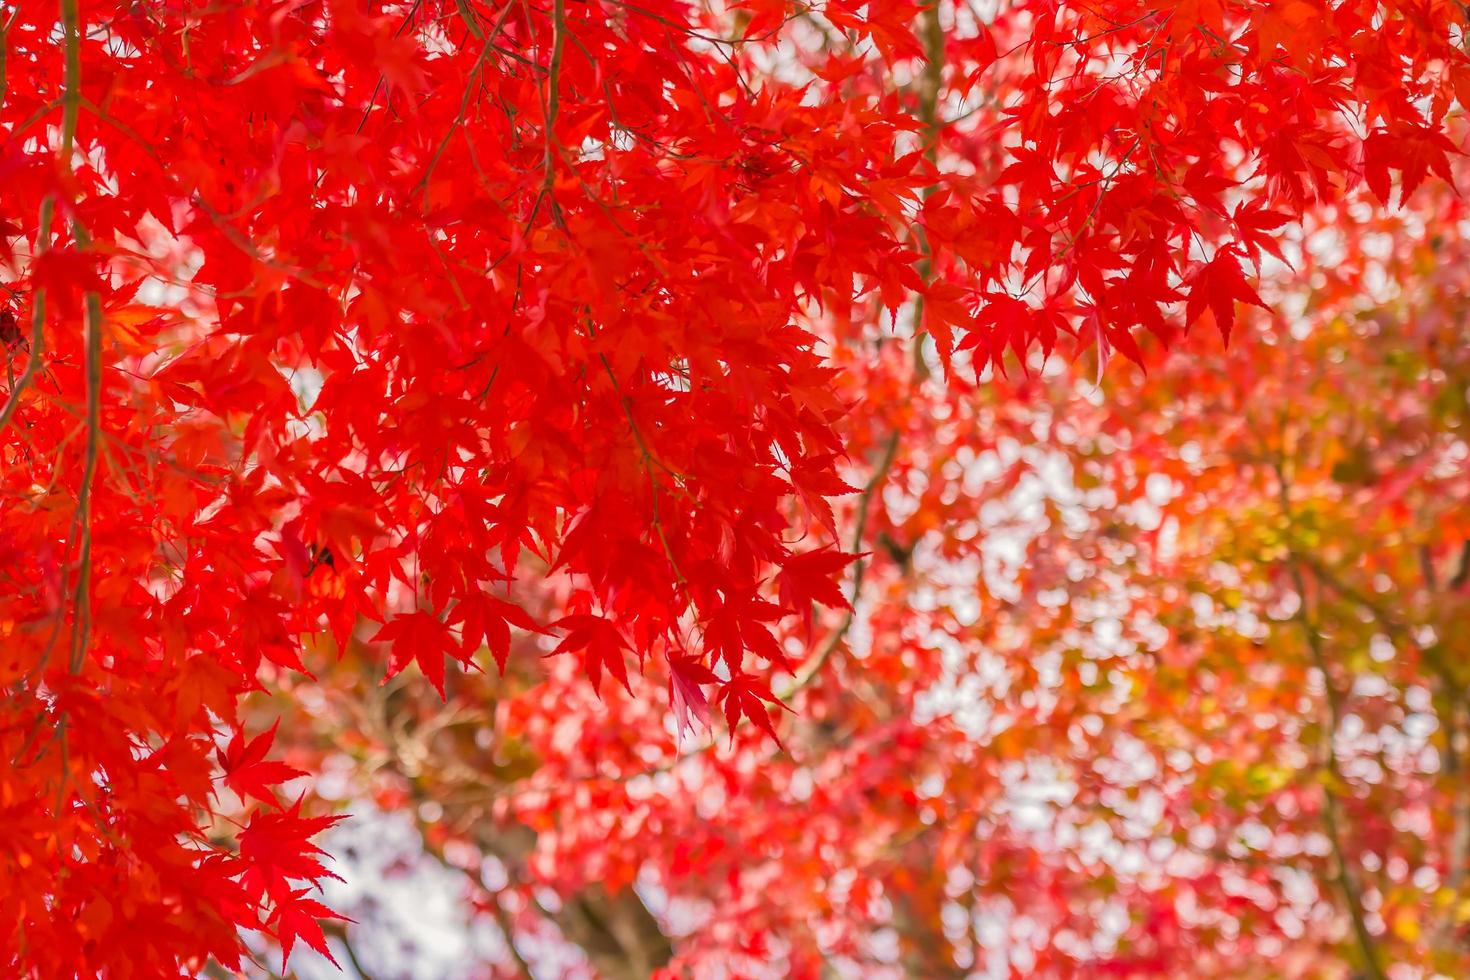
621 938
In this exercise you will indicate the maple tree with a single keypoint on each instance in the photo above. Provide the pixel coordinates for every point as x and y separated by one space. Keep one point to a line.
628 371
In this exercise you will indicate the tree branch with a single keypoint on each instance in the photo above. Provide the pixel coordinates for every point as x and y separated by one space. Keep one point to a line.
1346 875
553 104
339 931
38 319
71 105
813 667
929 83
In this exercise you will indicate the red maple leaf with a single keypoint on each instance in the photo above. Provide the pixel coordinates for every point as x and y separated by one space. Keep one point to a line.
686 675
740 625
745 694
248 773
1217 286
815 480
814 577
276 849
483 617
1414 150
420 636
296 916
602 645
1255 223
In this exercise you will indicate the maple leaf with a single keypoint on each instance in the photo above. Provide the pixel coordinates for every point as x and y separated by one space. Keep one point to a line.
1217 287
276 849
1002 321
686 675
745 694
1296 25
296 916
813 577
602 645
423 637
483 617
815 480
65 273
766 18
1254 223
945 306
246 770
1415 150
739 625
1190 14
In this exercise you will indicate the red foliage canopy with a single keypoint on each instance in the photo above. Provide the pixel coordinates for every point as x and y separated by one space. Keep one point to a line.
324 311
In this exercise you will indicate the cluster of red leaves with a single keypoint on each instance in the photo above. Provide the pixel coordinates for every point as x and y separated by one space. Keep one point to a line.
1141 154
344 309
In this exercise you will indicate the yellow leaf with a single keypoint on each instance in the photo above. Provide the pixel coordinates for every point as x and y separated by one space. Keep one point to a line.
1406 925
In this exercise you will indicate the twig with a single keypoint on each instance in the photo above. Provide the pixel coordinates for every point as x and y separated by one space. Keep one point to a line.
649 461
71 105
695 35
809 671
1457 860
38 319
338 930
4 56
1462 573
83 632
553 109
929 86
82 624
502 919
930 82
472 20
464 106
507 929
